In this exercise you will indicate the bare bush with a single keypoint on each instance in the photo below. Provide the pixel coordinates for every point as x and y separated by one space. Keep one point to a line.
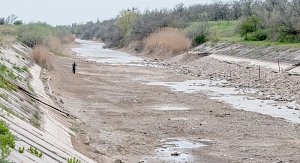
67 38
170 39
54 44
41 56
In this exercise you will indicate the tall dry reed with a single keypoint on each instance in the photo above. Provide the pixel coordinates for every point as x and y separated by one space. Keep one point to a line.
41 56
170 39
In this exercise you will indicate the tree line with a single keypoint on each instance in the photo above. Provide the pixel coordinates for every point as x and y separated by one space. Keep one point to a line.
275 20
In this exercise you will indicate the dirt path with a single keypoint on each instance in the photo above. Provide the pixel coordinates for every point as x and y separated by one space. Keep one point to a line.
124 118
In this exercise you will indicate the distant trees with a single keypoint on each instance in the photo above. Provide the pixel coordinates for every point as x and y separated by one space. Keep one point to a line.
11 19
281 18
277 20
126 20
2 21
18 22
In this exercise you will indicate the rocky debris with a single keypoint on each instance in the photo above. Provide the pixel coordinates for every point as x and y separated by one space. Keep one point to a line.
87 140
272 85
119 161
175 154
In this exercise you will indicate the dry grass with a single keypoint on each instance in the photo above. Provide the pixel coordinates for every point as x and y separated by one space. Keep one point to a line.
41 56
8 30
68 38
170 39
54 44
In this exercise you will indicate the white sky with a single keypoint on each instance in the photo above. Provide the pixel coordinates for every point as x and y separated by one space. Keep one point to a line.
58 12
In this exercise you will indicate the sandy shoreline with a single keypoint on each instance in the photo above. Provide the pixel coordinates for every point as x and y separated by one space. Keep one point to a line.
120 122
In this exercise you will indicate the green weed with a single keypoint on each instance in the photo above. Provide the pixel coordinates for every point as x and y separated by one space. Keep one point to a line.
21 149
35 120
73 160
8 110
7 140
35 151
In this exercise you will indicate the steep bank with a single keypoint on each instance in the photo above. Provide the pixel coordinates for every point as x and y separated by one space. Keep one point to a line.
32 123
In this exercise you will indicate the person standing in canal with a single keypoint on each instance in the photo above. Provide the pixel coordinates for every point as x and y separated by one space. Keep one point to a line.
74 67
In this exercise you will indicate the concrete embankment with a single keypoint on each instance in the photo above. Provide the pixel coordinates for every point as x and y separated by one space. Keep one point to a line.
275 58
32 123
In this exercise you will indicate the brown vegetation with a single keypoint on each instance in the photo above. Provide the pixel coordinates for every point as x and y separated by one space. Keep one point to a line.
41 56
67 38
54 44
170 39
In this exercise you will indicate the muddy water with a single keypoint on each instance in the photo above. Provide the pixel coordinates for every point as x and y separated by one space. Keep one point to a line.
237 98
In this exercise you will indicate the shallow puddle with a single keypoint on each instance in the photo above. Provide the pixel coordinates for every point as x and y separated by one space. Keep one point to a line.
180 119
170 108
237 98
175 150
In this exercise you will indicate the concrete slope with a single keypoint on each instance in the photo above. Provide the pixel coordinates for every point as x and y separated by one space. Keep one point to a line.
265 56
33 124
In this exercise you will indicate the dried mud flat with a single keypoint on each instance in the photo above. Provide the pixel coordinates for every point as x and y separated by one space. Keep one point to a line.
122 117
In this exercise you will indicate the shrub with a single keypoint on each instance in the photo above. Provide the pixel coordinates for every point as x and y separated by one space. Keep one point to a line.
68 38
170 39
200 39
197 32
18 22
7 140
259 35
249 25
34 34
54 44
41 56
288 35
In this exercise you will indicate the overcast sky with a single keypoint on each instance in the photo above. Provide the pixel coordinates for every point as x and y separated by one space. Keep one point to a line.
58 12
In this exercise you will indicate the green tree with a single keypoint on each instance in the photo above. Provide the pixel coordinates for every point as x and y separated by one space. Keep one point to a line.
251 24
125 21
251 29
